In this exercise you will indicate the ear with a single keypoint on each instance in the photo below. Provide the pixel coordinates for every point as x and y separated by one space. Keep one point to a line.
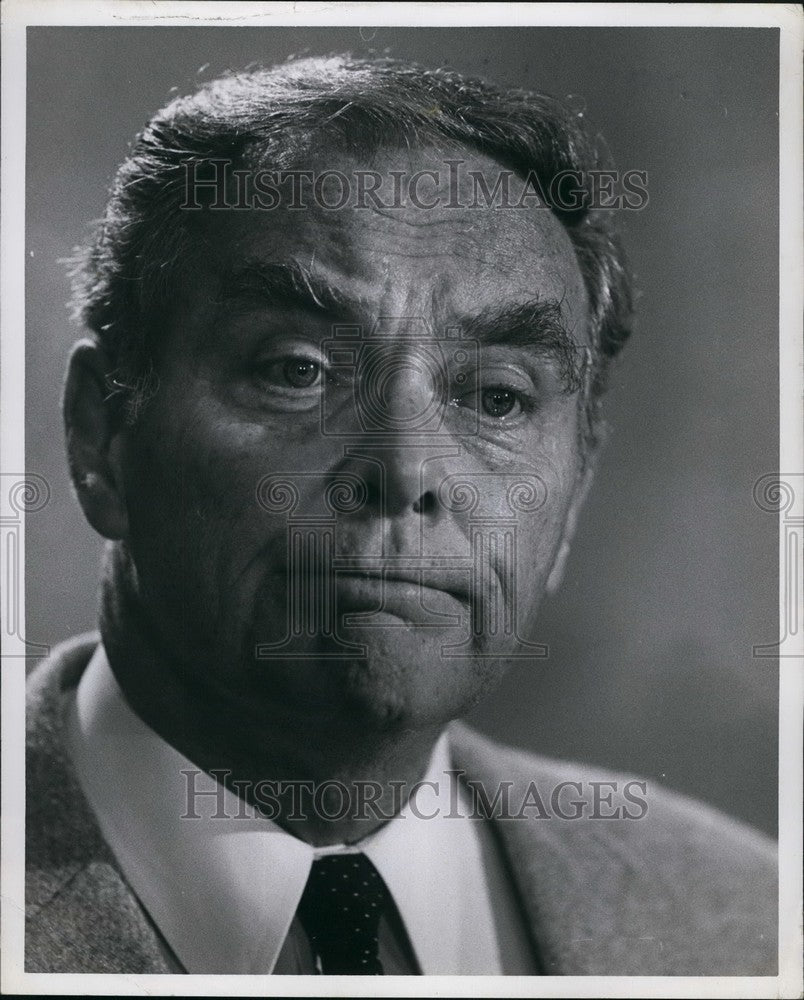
94 441
583 484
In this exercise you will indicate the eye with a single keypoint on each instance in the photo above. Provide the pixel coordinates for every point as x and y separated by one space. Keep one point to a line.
498 402
293 371
301 373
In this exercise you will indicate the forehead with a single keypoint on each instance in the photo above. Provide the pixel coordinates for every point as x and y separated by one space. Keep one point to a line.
432 247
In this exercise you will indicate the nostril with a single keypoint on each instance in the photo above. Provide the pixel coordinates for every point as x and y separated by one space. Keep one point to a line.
426 503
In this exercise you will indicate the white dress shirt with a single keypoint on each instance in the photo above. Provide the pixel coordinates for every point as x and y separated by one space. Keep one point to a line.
223 889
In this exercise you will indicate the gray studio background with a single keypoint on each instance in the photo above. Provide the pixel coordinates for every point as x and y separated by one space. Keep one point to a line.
673 576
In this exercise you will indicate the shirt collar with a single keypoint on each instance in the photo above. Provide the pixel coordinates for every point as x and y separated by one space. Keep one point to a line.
224 883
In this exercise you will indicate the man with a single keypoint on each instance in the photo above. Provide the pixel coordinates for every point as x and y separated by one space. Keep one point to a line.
352 322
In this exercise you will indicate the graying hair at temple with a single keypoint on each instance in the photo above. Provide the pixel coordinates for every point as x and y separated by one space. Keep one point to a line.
126 278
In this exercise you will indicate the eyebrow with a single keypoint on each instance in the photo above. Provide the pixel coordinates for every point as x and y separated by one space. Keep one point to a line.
288 283
537 326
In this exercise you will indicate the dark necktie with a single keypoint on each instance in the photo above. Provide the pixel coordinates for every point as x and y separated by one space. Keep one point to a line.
340 911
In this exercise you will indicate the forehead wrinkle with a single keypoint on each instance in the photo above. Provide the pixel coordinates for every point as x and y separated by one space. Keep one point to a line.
440 305
403 215
384 268
288 283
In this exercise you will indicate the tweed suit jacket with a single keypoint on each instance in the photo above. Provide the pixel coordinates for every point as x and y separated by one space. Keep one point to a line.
683 891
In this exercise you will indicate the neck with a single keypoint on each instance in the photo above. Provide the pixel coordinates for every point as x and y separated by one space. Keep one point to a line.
326 780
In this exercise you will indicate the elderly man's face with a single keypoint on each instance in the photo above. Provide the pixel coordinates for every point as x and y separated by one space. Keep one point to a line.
336 505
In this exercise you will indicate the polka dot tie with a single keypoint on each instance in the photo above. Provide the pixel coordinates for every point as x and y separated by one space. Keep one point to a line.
340 911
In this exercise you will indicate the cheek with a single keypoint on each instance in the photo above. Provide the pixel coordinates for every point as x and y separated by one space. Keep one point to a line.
538 542
194 460
192 497
206 532
535 534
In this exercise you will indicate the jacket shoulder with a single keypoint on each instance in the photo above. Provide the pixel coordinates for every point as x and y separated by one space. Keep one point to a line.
61 836
673 888
80 914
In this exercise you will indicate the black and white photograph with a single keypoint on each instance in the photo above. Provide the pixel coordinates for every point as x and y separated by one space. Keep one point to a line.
402 499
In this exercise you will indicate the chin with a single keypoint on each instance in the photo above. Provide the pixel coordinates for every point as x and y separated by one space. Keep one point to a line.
403 682
406 683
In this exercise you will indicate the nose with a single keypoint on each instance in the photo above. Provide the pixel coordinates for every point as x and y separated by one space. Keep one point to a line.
401 388
404 478
404 444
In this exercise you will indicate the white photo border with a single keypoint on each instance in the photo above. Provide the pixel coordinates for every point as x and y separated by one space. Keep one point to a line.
17 15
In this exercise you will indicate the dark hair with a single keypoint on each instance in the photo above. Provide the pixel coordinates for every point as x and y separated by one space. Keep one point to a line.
124 277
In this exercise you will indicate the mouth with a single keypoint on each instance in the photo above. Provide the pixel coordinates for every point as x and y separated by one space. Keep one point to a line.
408 596
453 582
